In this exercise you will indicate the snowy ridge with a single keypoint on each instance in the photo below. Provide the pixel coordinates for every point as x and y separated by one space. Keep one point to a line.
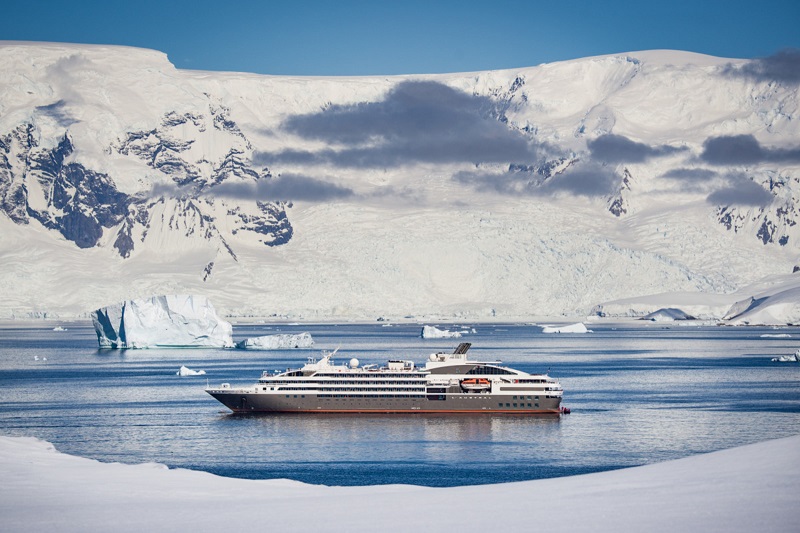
534 191
773 301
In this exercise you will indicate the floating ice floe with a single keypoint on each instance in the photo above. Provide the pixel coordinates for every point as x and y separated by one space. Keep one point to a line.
277 342
572 328
184 371
59 328
788 358
172 321
776 336
432 332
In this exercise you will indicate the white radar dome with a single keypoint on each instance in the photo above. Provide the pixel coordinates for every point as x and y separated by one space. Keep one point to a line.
432 357
353 363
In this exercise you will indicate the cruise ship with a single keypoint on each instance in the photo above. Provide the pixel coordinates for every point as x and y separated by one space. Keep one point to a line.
448 383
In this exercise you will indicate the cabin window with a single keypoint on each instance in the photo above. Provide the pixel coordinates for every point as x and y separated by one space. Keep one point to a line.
515 405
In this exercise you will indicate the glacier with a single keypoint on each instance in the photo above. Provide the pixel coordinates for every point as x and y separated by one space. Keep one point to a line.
120 172
277 342
170 321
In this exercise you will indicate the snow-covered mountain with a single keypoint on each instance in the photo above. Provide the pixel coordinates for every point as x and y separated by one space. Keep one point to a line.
537 191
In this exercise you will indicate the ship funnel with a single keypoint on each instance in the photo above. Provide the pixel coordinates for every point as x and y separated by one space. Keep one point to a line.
462 348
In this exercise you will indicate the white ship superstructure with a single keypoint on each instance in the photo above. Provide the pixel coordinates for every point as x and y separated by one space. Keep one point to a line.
448 383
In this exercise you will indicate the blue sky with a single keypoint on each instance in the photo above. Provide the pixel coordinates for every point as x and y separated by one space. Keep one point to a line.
345 37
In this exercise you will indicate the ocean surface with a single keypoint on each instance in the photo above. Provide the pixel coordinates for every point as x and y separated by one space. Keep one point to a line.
639 393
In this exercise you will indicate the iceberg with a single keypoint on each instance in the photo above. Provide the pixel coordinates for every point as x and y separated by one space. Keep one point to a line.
572 328
432 332
277 342
172 321
184 371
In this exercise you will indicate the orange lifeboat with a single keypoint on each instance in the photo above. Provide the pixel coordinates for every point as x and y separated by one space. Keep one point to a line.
475 384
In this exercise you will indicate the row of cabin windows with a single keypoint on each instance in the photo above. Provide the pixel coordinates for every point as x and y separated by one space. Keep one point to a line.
356 396
515 405
379 396
354 389
523 397
488 370
370 376
341 382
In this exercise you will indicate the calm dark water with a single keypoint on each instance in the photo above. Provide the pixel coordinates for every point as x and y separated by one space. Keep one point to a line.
638 393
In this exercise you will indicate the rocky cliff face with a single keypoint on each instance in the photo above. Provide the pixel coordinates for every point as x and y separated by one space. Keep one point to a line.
82 204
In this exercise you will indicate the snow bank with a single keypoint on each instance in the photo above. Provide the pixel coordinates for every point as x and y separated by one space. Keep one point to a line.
746 489
432 332
667 314
767 310
184 371
775 300
174 321
572 328
277 342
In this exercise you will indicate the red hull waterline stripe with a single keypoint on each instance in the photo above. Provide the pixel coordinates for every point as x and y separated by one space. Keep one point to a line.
404 411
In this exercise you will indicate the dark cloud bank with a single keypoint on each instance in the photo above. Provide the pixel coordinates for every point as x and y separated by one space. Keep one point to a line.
731 188
286 187
417 122
582 179
432 123
612 148
283 188
745 150
783 66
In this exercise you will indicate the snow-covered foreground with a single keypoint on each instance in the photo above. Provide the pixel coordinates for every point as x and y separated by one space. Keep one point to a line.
751 488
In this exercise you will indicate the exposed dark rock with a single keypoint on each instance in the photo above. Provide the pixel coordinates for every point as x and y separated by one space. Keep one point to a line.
207 270
618 205
766 231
